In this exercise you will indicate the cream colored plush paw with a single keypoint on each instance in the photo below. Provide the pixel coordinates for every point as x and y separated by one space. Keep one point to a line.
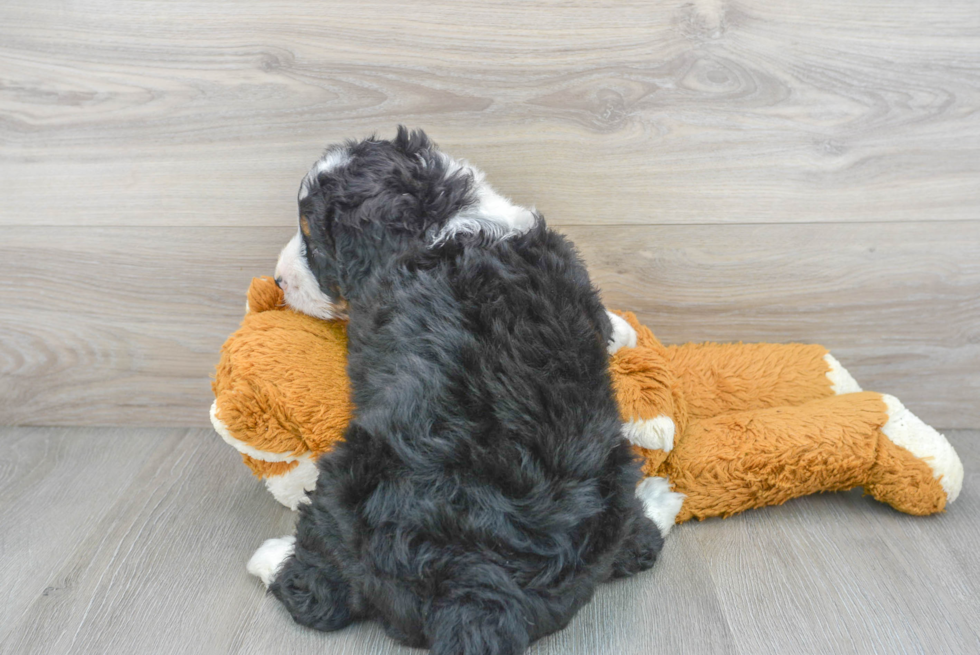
840 380
655 433
291 487
660 504
623 335
268 559
907 430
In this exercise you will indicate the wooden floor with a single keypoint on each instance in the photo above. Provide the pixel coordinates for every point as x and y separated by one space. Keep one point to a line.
780 170
135 541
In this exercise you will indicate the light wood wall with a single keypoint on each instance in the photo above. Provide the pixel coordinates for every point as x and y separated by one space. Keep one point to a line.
751 170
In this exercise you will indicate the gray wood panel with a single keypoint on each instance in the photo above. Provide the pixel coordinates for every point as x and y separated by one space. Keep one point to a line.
161 113
160 569
894 587
138 544
54 485
122 326
755 170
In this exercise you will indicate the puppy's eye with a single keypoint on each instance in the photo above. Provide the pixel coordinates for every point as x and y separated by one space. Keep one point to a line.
304 225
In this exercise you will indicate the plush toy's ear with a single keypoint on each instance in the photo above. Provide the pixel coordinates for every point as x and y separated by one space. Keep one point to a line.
263 295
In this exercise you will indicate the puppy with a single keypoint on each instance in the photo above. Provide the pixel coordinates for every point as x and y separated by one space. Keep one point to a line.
484 488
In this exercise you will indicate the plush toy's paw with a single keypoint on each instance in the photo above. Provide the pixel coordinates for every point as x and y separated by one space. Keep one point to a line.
840 380
291 487
653 434
660 504
623 336
907 430
288 488
268 559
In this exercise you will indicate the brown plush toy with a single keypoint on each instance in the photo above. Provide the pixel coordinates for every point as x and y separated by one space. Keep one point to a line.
721 427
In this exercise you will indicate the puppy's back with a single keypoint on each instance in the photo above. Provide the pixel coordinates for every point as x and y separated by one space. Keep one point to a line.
487 420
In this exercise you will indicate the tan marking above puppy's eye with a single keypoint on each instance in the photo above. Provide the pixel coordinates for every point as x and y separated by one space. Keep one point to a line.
304 225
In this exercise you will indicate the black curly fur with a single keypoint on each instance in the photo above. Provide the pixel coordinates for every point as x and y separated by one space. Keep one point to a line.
484 488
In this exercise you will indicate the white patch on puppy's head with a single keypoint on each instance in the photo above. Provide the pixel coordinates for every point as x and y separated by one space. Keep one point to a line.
332 159
363 203
491 214
299 286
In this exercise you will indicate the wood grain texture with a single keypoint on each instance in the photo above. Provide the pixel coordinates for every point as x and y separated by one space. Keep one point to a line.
748 170
54 485
106 327
122 326
713 111
897 304
140 545
161 569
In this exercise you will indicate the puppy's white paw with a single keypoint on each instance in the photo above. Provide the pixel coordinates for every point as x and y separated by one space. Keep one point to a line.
655 433
267 560
623 335
907 430
660 504
840 380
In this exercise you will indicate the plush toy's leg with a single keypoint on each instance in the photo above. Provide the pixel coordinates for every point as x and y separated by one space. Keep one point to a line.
623 334
912 458
660 504
288 481
291 487
717 378
642 382
730 463
840 380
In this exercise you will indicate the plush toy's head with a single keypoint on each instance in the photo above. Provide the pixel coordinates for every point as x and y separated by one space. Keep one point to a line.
281 390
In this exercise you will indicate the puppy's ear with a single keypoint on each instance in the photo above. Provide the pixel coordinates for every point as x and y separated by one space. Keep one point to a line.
411 142
316 217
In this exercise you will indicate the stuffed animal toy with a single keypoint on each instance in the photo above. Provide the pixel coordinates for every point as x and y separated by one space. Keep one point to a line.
721 428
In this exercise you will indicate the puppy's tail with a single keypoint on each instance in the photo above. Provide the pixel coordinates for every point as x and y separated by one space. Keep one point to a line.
477 621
